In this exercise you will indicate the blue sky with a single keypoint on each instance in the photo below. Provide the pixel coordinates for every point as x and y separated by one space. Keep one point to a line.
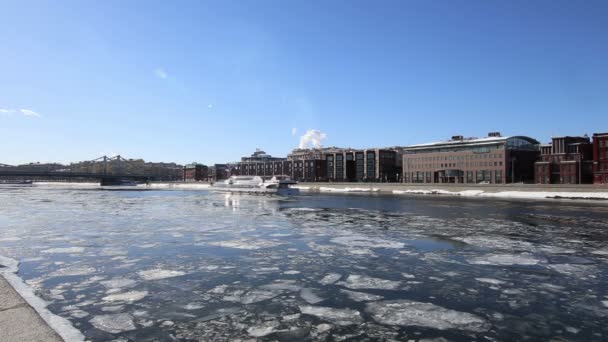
210 81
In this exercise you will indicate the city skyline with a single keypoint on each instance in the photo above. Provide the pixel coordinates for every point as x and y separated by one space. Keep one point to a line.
210 82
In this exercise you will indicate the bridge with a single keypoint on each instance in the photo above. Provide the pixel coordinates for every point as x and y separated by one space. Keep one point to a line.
106 170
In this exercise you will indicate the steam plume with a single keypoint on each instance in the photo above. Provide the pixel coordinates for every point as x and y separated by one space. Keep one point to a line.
312 137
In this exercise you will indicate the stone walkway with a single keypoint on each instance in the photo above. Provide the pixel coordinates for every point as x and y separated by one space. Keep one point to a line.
18 321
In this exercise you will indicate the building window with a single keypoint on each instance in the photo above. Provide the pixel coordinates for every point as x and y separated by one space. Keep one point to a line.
498 176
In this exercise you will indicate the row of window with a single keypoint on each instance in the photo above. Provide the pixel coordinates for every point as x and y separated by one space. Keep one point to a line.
492 176
456 158
447 165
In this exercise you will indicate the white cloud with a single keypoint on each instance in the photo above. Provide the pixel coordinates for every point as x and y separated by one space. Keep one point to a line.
28 112
24 112
209 106
312 137
294 131
161 73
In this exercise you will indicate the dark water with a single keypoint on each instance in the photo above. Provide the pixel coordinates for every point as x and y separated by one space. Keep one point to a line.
198 266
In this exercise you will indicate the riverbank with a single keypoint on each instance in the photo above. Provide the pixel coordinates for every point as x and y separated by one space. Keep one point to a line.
523 191
24 316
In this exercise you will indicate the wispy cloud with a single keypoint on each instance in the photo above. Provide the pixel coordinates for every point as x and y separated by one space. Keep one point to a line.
294 131
161 73
24 112
28 112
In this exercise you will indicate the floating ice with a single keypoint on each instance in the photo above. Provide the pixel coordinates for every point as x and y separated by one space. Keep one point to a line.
155 274
113 323
220 289
411 313
361 296
490 281
291 272
256 295
324 327
281 284
263 329
64 250
355 281
366 241
506 259
310 296
118 283
130 296
73 271
246 244
572 269
330 278
407 275
605 302
337 316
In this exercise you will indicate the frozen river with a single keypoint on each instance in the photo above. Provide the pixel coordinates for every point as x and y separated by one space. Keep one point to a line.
198 266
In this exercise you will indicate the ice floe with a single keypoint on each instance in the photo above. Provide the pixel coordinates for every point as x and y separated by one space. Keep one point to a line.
361 296
412 313
64 250
263 329
246 244
114 323
356 240
118 283
336 316
157 273
311 296
130 296
490 281
506 259
330 278
355 281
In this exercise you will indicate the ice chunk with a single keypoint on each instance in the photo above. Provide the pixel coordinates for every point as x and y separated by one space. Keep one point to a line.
118 283
365 241
280 284
64 250
407 275
337 316
155 274
246 244
256 295
490 281
114 323
605 302
355 281
506 259
361 296
73 271
130 296
220 289
330 278
291 272
310 296
263 329
411 313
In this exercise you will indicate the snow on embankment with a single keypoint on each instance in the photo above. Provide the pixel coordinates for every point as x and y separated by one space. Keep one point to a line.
181 186
62 326
328 189
510 194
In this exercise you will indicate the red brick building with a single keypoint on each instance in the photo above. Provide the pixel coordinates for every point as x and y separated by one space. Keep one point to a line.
600 158
195 172
567 160
491 160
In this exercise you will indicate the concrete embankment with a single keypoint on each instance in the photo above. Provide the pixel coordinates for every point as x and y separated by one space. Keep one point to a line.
18 321
24 316
531 191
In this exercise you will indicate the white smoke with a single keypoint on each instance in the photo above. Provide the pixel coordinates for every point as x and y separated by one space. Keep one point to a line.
312 137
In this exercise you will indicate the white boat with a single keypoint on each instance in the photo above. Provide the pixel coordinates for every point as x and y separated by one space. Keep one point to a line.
277 185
